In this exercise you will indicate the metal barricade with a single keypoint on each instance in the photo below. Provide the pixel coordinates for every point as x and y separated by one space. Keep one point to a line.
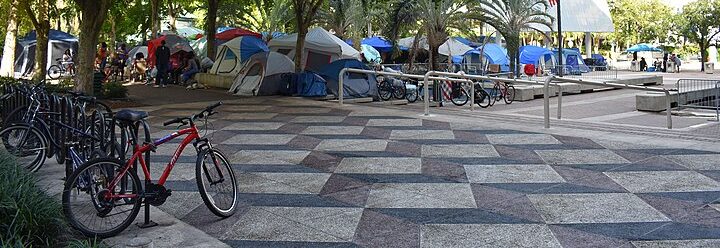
699 94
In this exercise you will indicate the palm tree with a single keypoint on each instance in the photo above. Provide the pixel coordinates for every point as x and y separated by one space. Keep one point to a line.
347 18
511 17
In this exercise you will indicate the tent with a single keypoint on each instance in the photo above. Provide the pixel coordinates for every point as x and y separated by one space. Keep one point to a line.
174 42
189 32
643 47
533 54
200 46
262 75
370 54
468 42
321 48
233 54
494 54
573 61
406 43
355 85
58 43
453 47
380 44
133 52
236 32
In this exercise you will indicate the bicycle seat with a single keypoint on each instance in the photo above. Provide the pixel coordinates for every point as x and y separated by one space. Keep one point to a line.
130 115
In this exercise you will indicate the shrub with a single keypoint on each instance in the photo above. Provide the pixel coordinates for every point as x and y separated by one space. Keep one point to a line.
64 85
28 216
114 90
89 243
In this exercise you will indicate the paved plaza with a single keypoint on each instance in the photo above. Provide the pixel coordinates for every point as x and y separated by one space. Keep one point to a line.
313 174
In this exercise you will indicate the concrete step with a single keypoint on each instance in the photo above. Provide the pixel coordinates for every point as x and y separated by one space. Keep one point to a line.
354 100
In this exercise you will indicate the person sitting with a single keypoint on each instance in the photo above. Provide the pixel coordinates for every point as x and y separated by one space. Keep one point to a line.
190 69
139 67
643 64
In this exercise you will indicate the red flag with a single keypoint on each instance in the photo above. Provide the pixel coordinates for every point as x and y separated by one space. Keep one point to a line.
552 2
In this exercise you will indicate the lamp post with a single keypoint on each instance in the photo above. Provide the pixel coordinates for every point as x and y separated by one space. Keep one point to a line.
560 39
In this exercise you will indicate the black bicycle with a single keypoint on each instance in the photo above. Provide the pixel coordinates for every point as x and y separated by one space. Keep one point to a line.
389 87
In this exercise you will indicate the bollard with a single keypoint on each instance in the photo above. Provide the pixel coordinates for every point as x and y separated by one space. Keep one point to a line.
546 93
139 242
559 105
426 93
668 103
341 90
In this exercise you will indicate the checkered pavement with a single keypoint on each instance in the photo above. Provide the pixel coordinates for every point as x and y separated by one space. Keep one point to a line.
325 177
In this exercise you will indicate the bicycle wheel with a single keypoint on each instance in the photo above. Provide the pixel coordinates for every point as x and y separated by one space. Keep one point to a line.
216 182
85 201
15 116
497 92
385 91
412 96
26 144
483 99
459 97
399 92
54 72
509 94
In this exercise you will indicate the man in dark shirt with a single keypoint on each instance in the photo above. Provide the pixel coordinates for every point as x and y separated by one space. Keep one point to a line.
162 62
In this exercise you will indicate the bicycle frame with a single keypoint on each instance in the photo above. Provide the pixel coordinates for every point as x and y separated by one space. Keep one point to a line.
192 134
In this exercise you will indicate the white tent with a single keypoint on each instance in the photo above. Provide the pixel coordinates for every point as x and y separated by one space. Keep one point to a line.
408 42
452 47
232 54
595 16
321 48
262 75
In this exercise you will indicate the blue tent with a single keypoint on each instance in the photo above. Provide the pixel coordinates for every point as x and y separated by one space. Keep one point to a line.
232 54
533 54
379 43
355 85
58 43
573 60
494 54
643 47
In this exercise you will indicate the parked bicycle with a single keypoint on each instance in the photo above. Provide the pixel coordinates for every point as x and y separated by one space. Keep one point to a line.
503 91
459 95
103 196
390 87
61 69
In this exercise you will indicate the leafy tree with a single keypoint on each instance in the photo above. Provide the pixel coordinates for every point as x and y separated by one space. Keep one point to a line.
640 21
7 66
699 23
511 17
41 23
305 11
259 15
93 14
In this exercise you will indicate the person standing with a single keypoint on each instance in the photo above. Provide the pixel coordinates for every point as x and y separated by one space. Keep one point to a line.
122 57
102 55
678 63
162 62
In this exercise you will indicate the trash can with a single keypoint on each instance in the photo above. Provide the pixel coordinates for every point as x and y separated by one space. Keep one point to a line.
98 77
634 66
709 67
670 67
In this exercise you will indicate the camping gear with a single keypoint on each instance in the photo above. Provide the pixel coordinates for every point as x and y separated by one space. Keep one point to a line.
452 47
321 48
494 54
262 75
236 32
356 85
380 44
233 54
406 43
370 54
58 43
176 44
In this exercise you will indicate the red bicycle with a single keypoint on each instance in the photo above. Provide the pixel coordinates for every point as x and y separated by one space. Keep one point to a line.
103 196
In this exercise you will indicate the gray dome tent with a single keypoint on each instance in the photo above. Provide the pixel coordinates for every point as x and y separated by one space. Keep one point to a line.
261 75
58 43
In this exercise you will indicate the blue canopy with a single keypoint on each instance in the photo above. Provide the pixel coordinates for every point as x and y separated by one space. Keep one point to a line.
643 47
54 35
494 54
379 43
532 54
573 59
599 58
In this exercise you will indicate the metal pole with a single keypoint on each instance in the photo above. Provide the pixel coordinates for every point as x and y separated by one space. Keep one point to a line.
472 95
717 102
426 92
560 40
668 103
341 86
559 105
546 91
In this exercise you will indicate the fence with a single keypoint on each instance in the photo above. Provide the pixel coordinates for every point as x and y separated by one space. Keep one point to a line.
699 94
583 72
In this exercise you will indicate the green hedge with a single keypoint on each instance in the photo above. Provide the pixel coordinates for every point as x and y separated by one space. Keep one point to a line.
28 216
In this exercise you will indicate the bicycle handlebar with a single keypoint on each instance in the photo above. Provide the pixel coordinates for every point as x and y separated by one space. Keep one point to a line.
207 112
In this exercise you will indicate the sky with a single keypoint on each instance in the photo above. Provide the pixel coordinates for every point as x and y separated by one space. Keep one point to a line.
676 4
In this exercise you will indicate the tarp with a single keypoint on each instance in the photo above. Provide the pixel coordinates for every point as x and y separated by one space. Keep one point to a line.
370 54
533 54
58 43
380 44
321 48
643 47
200 47
262 75
573 60
172 41
407 42
356 85
452 47
236 32
233 54
468 42
310 84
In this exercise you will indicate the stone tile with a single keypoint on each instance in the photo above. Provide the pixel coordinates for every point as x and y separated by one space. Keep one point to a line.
470 126
260 139
488 235
715 206
512 174
296 224
380 165
698 161
594 208
282 183
421 134
694 243
459 151
318 119
308 110
254 126
333 130
574 237
181 203
380 230
394 123
421 195
592 156
664 181
370 145
269 157
613 144
522 139
250 116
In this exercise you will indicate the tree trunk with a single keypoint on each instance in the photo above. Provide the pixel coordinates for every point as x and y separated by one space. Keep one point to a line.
211 27
93 15
155 18
703 55
41 49
172 14
513 46
7 66
414 49
113 32
300 47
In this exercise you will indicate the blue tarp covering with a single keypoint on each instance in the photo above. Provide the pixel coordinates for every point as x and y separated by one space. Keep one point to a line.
497 55
250 45
573 60
643 47
54 35
379 43
355 85
310 84
532 54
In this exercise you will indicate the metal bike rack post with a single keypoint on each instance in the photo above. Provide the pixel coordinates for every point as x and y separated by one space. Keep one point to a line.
341 86
426 92
546 101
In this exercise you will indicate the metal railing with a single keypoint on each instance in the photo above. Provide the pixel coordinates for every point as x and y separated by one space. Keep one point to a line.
699 94
582 72
552 78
